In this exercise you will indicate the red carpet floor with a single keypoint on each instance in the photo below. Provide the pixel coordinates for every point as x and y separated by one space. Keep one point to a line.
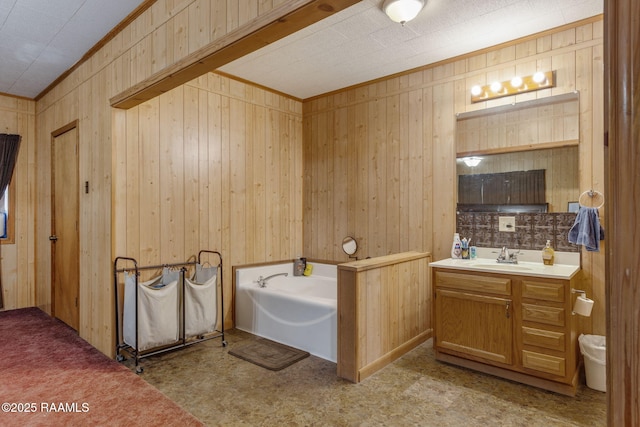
49 376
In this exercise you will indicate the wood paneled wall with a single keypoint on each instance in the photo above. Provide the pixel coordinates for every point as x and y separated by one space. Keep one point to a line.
17 116
553 124
380 158
214 164
367 171
162 35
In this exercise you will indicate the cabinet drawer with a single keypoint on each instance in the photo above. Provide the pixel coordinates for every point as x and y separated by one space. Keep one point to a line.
547 291
543 314
471 282
543 363
541 338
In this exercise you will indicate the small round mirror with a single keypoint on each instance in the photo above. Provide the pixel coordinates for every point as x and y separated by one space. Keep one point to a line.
349 245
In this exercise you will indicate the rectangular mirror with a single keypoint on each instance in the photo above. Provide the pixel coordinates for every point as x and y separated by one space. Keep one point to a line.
544 180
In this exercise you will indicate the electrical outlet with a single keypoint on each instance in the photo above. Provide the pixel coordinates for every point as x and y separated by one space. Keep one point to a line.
507 223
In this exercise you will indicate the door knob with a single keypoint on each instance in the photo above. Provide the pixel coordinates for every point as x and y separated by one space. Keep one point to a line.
53 238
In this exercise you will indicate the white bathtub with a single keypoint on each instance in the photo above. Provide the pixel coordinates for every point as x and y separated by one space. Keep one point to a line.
298 311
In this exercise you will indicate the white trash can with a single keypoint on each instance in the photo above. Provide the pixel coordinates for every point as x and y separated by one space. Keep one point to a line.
594 351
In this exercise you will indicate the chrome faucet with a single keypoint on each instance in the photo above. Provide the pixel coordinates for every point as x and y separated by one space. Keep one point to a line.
262 281
507 257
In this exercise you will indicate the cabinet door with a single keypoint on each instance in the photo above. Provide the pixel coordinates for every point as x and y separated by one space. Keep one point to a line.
476 325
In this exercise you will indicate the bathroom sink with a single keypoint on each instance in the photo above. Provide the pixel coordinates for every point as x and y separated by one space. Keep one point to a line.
505 267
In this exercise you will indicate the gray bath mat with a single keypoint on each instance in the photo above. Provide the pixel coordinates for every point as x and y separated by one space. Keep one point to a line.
268 354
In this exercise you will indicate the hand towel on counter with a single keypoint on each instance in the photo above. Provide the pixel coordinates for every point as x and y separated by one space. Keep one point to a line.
586 230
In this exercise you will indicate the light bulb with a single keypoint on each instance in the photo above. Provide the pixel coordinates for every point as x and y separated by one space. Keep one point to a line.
476 90
539 77
516 82
496 87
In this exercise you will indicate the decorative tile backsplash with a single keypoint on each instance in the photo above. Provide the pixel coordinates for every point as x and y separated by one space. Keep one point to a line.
532 230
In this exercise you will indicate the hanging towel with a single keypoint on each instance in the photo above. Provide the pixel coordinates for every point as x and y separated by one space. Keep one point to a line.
586 230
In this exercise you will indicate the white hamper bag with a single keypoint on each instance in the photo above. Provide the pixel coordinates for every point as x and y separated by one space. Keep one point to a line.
201 302
158 311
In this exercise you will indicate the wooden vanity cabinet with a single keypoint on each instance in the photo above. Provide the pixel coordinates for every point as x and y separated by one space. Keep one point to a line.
513 326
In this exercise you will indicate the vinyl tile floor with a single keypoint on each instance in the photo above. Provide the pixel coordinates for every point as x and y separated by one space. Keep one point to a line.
415 390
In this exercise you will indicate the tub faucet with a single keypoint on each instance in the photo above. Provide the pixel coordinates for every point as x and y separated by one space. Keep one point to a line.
262 281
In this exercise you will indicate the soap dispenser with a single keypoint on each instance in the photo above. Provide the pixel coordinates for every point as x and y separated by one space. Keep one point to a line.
456 247
548 254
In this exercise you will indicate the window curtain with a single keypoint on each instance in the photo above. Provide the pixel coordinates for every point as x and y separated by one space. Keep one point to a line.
9 146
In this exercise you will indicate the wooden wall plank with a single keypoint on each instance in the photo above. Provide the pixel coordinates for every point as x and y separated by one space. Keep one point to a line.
199 24
150 229
260 203
208 195
171 155
272 184
132 180
18 258
342 178
238 210
443 181
43 207
392 173
119 217
296 187
191 167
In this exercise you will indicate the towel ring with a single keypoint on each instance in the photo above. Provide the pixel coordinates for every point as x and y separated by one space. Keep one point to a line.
595 197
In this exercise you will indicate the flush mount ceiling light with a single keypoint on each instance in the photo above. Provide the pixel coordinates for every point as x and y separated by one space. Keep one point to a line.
472 161
402 11
515 86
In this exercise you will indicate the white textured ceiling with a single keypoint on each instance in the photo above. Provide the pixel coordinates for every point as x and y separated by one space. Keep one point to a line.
41 39
361 44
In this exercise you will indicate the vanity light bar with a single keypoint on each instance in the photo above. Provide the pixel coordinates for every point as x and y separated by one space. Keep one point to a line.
517 85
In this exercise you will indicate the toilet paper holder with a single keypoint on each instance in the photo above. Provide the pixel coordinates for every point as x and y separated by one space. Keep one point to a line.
585 304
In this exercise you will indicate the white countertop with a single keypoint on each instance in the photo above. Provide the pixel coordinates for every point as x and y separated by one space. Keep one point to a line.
523 268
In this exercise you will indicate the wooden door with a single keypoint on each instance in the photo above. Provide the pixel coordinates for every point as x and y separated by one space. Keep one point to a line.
476 325
65 234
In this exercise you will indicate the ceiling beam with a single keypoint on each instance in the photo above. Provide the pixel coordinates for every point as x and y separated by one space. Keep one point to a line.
262 31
